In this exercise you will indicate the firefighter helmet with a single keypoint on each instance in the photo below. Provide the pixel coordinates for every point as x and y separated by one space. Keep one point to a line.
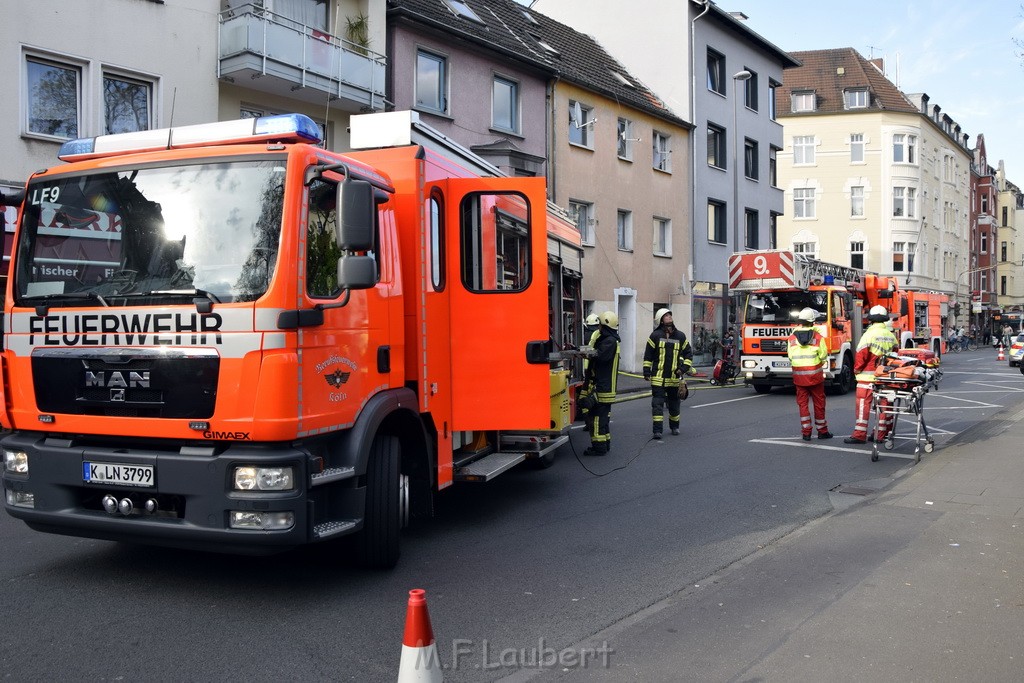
808 315
878 314
609 319
662 312
593 320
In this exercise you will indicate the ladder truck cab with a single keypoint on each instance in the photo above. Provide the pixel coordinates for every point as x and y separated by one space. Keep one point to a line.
225 337
776 285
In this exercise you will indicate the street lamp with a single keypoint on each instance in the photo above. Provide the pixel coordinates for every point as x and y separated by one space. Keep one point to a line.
738 78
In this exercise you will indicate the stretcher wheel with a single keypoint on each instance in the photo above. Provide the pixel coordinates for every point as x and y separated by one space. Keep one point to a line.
888 444
874 456
929 446
713 381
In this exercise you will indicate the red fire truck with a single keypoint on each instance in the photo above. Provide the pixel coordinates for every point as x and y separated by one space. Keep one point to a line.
226 337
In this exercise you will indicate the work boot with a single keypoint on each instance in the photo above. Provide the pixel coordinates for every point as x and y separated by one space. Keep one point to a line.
675 432
825 435
656 436
591 451
851 439
805 437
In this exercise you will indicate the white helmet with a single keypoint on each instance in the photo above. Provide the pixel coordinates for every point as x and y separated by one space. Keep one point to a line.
593 320
808 314
662 312
878 310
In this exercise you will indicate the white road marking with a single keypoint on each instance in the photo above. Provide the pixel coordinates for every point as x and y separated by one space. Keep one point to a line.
731 400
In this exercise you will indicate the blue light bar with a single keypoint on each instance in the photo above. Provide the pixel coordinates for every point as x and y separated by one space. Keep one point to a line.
830 279
279 128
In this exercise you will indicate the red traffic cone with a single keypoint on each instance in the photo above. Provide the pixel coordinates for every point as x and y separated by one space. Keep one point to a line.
420 663
1001 355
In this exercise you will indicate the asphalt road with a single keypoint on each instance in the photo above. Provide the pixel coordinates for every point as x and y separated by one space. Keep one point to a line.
524 566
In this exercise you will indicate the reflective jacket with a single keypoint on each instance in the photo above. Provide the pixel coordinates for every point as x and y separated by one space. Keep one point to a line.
604 366
668 357
876 341
808 353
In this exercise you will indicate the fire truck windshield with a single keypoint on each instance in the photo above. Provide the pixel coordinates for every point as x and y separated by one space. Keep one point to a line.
783 306
146 235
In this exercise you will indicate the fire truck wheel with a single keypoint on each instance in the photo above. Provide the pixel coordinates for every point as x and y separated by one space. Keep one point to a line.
382 520
845 381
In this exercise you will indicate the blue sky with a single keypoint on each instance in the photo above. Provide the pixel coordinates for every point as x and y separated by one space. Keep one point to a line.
961 54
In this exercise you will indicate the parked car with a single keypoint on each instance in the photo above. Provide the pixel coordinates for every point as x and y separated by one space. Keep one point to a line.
1016 353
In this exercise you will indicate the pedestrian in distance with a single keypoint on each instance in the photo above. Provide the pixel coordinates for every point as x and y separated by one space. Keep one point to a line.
877 341
729 345
604 368
667 358
808 356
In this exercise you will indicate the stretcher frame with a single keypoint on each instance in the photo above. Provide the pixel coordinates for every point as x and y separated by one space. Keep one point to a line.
904 397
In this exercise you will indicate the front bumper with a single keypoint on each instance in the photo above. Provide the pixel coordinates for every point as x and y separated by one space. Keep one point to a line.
773 371
192 490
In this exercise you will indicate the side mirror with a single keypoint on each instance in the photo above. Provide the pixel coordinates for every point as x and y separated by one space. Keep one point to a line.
357 272
356 213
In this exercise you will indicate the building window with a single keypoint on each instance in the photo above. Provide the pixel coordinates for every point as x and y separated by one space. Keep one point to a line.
809 249
1002 285
581 121
984 204
903 257
661 148
983 285
750 158
803 149
773 168
857 255
750 224
904 148
750 91
463 10
857 201
984 243
624 230
127 104
904 202
716 146
716 72
1002 252
716 221
625 139
1005 215
803 202
431 82
855 99
803 100
583 214
857 148
662 237
773 87
505 105
773 231
54 98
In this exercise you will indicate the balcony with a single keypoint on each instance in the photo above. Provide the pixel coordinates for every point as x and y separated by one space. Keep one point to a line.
273 54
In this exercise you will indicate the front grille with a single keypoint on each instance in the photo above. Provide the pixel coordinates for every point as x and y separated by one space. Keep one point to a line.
129 383
774 345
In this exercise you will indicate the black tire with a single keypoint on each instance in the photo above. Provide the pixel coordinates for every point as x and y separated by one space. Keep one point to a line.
762 388
382 518
844 382
938 350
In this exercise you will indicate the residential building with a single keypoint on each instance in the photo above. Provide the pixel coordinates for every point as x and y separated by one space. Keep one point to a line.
712 70
1010 270
873 178
984 240
146 64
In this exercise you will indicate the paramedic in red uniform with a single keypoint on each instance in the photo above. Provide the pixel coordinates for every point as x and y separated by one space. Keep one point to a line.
877 341
808 354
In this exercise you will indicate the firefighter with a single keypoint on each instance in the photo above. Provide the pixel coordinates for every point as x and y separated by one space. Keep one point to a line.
667 358
604 368
875 343
585 400
808 354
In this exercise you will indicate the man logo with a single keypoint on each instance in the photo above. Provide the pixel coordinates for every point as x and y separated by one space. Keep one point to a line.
337 378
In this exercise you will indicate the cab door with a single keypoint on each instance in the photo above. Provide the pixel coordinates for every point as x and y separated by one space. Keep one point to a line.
498 298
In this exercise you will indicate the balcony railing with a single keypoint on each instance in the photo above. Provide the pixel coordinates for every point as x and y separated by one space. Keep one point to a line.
277 55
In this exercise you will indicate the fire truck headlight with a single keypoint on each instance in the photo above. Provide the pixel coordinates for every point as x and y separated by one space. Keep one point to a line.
262 521
15 462
250 478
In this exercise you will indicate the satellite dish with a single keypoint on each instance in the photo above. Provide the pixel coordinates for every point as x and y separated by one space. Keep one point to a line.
576 116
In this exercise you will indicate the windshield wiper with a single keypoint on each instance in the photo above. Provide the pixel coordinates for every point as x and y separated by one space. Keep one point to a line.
201 305
42 309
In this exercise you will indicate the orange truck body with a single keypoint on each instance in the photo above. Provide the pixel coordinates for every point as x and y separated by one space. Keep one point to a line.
778 284
258 409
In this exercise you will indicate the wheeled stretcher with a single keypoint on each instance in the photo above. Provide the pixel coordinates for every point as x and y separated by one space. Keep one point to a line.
894 397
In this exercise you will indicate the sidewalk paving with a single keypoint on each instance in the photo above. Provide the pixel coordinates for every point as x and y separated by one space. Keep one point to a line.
921 581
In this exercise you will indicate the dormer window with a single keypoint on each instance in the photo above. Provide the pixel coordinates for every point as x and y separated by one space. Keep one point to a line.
460 8
803 100
856 99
